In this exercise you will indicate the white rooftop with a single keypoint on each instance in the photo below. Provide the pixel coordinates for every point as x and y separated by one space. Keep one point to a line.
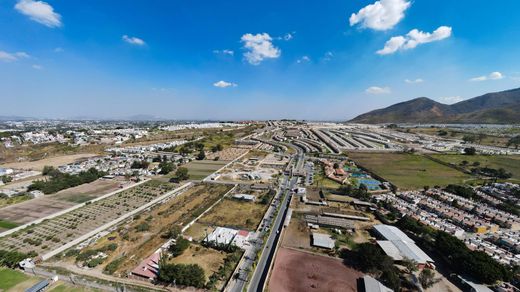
322 240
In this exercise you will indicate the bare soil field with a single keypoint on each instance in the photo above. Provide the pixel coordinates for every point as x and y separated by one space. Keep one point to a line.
297 234
53 161
236 214
300 271
33 209
89 191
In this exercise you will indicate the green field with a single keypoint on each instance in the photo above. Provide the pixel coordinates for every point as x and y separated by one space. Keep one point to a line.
409 171
199 169
10 278
510 163
7 224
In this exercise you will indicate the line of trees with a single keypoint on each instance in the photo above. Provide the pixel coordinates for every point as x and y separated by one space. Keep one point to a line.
59 181
181 274
11 259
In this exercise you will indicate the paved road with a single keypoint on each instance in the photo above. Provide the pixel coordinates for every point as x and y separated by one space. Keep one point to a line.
262 269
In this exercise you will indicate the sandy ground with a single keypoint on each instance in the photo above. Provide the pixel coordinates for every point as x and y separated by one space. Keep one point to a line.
299 271
53 161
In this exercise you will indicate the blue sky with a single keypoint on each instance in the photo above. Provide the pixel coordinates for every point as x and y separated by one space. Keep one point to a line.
315 60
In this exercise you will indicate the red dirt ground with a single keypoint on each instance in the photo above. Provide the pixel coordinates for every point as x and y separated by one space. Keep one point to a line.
300 271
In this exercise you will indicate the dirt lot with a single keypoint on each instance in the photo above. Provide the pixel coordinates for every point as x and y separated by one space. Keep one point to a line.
300 271
236 214
208 259
54 161
31 210
297 234
86 192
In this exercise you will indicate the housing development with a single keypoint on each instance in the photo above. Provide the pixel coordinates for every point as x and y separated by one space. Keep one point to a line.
255 205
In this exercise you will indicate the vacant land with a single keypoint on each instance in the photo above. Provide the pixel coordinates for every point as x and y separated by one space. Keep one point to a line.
31 210
236 214
208 259
300 271
53 161
65 287
409 171
510 163
199 169
297 234
88 191
485 139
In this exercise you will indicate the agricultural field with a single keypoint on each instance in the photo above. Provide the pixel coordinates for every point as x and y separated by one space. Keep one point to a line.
136 239
409 171
33 209
235 214
486 139
53 233
12 280
89 191
199 169
511 163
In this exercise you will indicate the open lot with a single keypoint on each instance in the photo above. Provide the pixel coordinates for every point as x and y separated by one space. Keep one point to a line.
89 191
511 163
199 169
409 171
53 161
300 271
31 210
235 214
53 233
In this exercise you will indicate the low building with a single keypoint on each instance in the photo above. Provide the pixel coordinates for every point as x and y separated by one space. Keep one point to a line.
223 235
369 284
322 240
40 286
148 269
244 197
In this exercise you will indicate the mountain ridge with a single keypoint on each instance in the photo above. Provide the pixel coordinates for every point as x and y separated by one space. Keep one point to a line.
491 108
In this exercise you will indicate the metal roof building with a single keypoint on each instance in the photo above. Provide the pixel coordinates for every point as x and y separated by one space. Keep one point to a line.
322 240
399 246
372 285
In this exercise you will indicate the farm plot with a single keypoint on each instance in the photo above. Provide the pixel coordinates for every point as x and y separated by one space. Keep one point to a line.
199 169
300 271
89 191
53 233
408 171
228 154
31 210
140 237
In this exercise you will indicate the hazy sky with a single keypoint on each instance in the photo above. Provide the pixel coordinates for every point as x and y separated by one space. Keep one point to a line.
250 59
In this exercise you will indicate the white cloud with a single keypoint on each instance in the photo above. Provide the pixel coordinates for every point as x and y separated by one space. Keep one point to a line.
37 67
133 40
224 84
259 47
288 36
492 76
39 11
224 52
414 38
412 81
451 99
378 90
303 59
328 56
382 15
11 57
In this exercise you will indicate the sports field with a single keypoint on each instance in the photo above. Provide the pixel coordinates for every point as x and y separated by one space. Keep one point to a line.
409 171
511 163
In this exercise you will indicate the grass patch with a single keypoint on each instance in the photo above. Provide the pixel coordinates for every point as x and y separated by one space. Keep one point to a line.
508 162
321 181
236 214
199 169
4 224
13 200
208 259
409 171
10 278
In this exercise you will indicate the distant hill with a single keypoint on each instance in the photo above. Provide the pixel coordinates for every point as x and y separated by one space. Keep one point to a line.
492 108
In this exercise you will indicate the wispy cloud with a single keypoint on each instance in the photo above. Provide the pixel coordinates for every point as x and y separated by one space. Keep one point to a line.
39 11
224 52
37 67
224 84
328 56
259 47
414 81
58 50
11 57
414 38
133 40
491 76
381 15
378 90
304 59
451 99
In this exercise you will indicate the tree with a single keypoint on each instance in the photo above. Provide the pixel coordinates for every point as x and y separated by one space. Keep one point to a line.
182 173
185 275
470 151
514 141
201 155
180 245
426 278
166 167
442 133
6 179
410 265
469 138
